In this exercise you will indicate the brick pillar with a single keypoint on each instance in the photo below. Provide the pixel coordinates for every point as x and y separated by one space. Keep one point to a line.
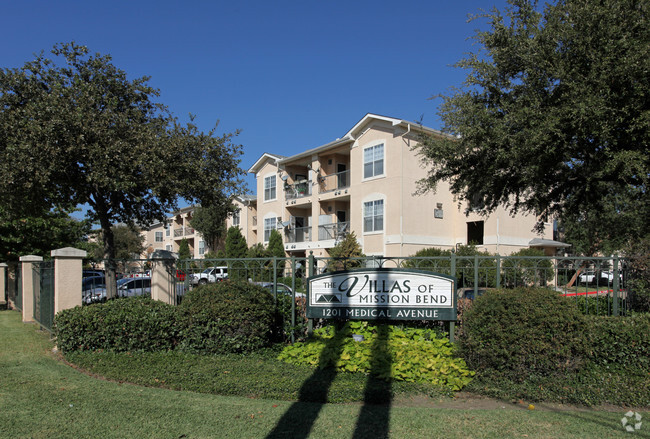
27 278
68 277
163 271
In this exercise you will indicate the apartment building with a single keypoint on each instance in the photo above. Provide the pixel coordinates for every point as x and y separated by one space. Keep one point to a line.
365 182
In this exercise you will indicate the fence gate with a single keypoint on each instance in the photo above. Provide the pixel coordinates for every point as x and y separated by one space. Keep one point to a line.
43 273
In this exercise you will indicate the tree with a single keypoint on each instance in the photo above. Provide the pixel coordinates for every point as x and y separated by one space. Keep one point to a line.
128 242
75 130
344 255
235 244
38 233
276 249
553 116
184 250
210 221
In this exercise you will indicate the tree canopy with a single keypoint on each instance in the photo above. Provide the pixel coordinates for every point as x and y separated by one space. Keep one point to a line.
74 129
553 117
128 242
210 221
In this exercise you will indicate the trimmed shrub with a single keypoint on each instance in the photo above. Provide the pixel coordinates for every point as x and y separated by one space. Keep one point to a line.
120 325
620 341
522 333
527 271
229 316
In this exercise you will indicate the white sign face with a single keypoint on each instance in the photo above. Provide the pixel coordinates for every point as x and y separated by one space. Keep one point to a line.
374 293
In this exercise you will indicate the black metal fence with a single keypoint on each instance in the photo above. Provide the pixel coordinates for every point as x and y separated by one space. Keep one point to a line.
43 281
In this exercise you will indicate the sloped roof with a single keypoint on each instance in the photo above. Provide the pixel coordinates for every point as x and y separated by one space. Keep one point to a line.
539 242
260 162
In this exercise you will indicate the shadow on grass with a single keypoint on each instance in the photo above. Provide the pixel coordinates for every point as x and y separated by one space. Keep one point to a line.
374 417
299 419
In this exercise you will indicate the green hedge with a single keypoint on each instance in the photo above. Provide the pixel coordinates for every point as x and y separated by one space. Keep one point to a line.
228 316
127 324
620 341
523 332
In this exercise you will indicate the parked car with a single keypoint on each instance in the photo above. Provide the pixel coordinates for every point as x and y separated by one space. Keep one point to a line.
605 277
280 288
209 275
92 273
127 287
93 282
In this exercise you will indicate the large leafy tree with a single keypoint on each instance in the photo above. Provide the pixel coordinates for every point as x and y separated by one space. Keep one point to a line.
38 232
128 242
553 117
74 129
210 221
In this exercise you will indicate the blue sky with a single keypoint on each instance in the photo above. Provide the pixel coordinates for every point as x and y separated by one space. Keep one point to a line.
292 75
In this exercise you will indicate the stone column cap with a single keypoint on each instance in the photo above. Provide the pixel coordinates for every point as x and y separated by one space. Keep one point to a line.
3 265
31 258
69 252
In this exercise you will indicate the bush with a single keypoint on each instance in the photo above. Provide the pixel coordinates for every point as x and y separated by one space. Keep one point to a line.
127 324
620 341
523 269
387 352
229 316
523 332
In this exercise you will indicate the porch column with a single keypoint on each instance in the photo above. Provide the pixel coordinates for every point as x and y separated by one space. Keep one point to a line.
27 279
163 270
68 277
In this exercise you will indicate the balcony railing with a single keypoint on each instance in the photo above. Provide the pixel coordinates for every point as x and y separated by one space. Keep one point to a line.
254 220
183 231
333 231
334 182
298 190
299 234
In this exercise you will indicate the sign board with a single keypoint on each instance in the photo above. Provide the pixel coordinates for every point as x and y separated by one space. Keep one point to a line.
384 293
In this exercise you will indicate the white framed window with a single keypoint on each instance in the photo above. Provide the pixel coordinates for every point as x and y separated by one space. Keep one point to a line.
201 248
236 217
269 188
373 161
168 230
270 224
168 247
159 237
373 216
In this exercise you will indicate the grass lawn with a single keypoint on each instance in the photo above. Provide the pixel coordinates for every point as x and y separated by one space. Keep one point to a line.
41 397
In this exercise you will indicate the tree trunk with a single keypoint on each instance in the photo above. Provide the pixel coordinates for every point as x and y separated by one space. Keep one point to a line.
109 257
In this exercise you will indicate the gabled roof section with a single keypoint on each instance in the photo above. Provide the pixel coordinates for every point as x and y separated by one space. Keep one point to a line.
265 157
357 130
317 150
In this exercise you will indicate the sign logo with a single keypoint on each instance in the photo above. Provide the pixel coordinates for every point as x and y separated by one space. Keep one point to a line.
392 294
631 421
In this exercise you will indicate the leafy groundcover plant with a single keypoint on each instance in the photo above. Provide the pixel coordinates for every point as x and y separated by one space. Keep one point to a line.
386 352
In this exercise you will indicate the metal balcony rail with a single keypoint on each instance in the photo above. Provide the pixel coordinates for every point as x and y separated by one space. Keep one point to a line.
298 190
299 234
333 231
333 182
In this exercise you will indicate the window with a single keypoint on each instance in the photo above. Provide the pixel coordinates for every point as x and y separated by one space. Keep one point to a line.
373 216
168 247
159 237
201 247
475 232
236 217
269 188
270 224
168 230
373 161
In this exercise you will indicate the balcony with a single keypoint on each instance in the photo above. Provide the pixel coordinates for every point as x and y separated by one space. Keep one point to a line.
298 190
183 231
333 182
335 231
298 234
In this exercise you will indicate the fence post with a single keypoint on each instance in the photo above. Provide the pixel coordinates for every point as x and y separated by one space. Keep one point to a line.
476 276
3 284
27 279
162 276
311 264
68 277
616 286
498 284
